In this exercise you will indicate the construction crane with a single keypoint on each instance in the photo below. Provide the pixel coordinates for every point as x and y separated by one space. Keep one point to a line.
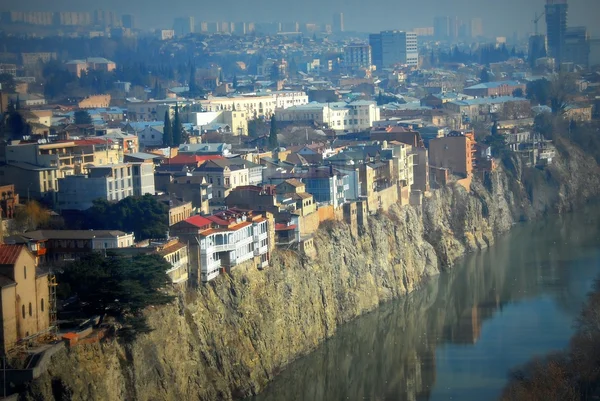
536 19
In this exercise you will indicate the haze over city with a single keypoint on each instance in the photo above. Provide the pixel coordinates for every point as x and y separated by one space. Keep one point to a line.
499 17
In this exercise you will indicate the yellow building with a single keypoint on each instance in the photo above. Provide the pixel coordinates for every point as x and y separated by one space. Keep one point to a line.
95 102
24 296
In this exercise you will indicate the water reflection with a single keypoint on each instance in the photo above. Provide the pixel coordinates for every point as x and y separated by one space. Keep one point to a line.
459 335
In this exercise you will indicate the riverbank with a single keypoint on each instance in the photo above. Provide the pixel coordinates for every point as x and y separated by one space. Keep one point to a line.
569 375
238 332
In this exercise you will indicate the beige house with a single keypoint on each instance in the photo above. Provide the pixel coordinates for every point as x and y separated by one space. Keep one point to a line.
224 176
24 296
95 102
578 112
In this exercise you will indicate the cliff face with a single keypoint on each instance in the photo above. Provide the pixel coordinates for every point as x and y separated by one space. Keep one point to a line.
235 334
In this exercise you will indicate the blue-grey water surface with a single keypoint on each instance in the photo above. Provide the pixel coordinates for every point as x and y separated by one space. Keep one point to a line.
459 336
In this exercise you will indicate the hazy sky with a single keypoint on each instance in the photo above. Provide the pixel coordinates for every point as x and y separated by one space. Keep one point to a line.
500 17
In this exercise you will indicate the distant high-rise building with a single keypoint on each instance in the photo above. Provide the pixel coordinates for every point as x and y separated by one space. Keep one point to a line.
441 27
128 21
577 46
357 56
183 26
338 22
476 27
376 51
537 48
394 47
556 27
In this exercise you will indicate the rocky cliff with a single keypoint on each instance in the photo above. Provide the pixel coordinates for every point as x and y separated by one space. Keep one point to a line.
235 334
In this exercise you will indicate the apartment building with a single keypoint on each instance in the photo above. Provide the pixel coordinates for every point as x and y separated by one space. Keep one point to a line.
392 48
456 152
351 117
112 182
224 240
357 56
24 296
194 189
327 185
226 174
259 104
80 67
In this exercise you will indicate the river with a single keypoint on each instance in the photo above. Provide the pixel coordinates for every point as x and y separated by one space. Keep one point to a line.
460 335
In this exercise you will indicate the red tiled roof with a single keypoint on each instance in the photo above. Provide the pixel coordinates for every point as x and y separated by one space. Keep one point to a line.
9 254
92 141
191 159
218 220
284 227
198 221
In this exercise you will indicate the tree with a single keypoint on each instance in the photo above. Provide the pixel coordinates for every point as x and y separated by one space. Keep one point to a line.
518 92
273 141
562 88
143 215
30 217
177 128
167 130
235 82
193 88
16 126
121 287
485 75
7 81
82 117
293 68
275 72
538 91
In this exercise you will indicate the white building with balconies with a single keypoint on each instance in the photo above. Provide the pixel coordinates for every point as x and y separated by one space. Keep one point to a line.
225 240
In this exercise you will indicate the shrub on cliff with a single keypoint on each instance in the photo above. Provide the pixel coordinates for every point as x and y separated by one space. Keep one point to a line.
117 286
565 376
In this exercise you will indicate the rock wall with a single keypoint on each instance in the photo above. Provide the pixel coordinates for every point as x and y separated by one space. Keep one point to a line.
231 337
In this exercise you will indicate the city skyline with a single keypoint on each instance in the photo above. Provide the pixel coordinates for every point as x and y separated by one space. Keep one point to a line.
499 18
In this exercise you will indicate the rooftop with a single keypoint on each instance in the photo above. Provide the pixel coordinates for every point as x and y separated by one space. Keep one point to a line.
41 235
494 84
9 254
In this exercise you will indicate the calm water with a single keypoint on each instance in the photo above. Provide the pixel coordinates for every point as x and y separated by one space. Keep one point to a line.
460 335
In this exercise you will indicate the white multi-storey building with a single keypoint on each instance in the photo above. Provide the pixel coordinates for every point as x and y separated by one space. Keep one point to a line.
112 182
224 240
259 104
352 117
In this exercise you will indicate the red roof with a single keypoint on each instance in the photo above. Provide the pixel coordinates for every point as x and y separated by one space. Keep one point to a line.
284 227
218 220
198 221
92 141
9 254
191 159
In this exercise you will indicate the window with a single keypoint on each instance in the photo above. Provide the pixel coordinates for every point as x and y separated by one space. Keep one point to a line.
25 272
42 304
23 311
30 310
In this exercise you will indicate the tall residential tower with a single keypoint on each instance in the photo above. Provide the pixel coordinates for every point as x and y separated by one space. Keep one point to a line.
556 27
